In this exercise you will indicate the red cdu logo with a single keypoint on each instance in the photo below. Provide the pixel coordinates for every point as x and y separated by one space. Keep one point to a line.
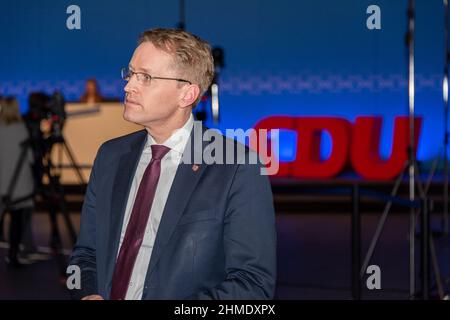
352 144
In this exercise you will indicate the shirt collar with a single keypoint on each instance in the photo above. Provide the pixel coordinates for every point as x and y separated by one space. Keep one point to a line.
178 140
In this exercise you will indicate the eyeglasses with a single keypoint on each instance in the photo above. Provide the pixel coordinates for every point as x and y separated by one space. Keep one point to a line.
144 78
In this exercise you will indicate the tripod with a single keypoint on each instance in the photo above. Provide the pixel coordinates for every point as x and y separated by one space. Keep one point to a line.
412 168
51 193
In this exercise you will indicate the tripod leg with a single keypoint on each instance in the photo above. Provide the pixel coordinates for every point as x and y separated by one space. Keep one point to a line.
425 241
437 272
55 242
423 194
55 238
422 191
55 198
60 159
434 166
381 223
435 263
66 216
59 194
74 163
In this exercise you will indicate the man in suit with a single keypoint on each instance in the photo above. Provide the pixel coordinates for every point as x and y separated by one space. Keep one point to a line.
156 225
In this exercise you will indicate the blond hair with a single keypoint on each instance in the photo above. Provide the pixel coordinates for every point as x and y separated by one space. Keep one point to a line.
9 110
192 55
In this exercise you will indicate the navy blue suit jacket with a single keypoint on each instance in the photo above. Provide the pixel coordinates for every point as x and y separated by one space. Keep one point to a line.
216 238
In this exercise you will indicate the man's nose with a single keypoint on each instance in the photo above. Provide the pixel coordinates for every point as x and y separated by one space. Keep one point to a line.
131 85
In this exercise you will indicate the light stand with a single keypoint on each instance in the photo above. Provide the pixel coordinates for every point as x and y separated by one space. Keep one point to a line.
413 173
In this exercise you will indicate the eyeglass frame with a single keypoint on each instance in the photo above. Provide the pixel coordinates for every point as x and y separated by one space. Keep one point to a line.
123 70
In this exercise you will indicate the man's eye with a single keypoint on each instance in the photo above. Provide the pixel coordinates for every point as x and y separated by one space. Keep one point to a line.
147 77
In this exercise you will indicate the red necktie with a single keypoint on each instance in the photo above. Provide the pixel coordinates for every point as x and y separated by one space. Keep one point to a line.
137 224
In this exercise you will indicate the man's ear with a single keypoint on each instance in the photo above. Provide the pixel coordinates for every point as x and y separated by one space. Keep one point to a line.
190 95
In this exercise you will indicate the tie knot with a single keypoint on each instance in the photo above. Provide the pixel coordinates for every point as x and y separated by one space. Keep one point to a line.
159 151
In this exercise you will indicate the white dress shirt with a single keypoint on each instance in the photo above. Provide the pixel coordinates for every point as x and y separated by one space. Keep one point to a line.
169 165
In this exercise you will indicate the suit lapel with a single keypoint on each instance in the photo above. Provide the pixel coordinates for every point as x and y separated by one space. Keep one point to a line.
122 183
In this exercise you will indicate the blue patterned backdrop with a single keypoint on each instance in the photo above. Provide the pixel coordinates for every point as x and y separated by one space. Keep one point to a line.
305 57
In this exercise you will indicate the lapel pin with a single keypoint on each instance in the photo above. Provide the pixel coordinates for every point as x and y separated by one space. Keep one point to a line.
195 167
